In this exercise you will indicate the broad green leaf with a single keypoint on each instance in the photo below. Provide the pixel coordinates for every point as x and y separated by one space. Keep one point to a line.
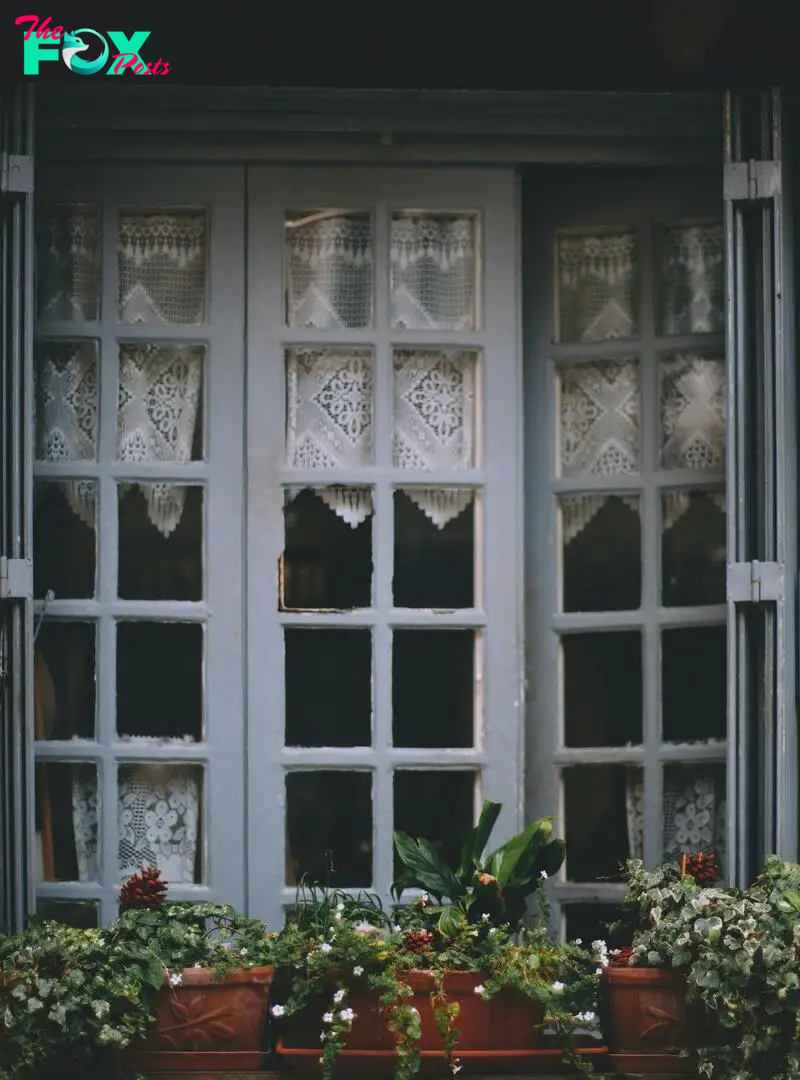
426 867
451 921
513 863
476 842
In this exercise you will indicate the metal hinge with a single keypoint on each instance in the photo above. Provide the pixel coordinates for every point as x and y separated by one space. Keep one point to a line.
755 582
16 173
16 579
747 180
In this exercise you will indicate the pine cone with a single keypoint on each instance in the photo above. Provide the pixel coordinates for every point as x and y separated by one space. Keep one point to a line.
145 890
418 940
702 866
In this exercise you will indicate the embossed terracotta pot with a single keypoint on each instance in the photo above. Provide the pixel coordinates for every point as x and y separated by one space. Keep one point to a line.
508 1021
205 1025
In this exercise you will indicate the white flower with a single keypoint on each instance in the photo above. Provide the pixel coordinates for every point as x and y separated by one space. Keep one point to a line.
543 874
322 1037
198 964
340 906
598 971
327 1018
558 987
586 1017
242 952
492 929
578 941
485 917
358 970
175 978
395 929
474 933
278 1010
364 928
480 989
347 1015
325 947
456 1069
338 996
600 950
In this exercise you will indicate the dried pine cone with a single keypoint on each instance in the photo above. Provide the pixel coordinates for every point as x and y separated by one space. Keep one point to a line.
418 940
145 890
702 866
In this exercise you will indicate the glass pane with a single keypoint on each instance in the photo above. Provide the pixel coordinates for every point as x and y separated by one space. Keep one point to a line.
433 688
329 828
327 557
434 412
328 269
68 262
693 548
437 805
434 262
602 552
694 810
693 402
694 671
598 287
602 688
599 418
603 820
84 914
64 680
155 564
160 681
66 821
692 293
328 687
65 401
159 816
64 540
160 416
590 922
328 408
162 266
434 563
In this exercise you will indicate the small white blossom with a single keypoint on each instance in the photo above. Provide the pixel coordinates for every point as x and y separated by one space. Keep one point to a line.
278 1010
474 933
578 941
456 1069
395 929
327 1018
325 947
347 1015
242 952
322 1037
175 978
598 971
543 874
338 996
586 1017
558 987
492 929
198 964
340 906
358 970
485 917
480 989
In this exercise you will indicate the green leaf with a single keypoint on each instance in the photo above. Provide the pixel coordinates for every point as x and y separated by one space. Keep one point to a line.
514 862
451 921
476 842
425 867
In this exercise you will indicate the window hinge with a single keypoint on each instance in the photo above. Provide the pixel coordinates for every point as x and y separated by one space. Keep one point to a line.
16 579
748 180
755 582
16 173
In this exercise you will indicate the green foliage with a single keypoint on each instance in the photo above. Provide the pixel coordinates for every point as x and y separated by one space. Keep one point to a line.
497 885
70 999
739 949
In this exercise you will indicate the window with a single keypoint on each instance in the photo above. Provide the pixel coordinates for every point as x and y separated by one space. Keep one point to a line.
283 552
627 406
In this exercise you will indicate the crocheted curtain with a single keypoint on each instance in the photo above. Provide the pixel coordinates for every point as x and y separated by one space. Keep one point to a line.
330 391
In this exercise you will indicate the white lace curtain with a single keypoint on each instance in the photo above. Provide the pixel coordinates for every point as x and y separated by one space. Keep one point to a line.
694 812
158 811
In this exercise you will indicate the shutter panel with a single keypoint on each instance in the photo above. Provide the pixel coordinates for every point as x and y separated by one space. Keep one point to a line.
761 478
16 452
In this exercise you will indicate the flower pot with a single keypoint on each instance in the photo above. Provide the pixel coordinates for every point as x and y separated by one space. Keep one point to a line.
645 1020
508 1021
202 1024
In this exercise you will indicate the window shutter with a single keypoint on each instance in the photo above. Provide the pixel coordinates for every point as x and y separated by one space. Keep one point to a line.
761 478
16 451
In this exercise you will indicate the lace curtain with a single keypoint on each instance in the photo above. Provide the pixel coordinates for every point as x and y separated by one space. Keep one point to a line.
600 436
157 817
694 812
329 422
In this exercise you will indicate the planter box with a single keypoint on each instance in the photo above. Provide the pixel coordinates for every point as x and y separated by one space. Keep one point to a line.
206 1025
645 1020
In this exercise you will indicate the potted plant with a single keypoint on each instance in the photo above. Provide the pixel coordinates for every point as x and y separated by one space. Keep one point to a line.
165 986
452 976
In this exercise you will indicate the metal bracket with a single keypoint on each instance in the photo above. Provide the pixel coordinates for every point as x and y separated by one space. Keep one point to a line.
16 579
16 173
755 582
747 180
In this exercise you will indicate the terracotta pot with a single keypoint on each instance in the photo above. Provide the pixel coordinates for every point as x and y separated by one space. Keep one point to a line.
203 1024
508 1021
645 1011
